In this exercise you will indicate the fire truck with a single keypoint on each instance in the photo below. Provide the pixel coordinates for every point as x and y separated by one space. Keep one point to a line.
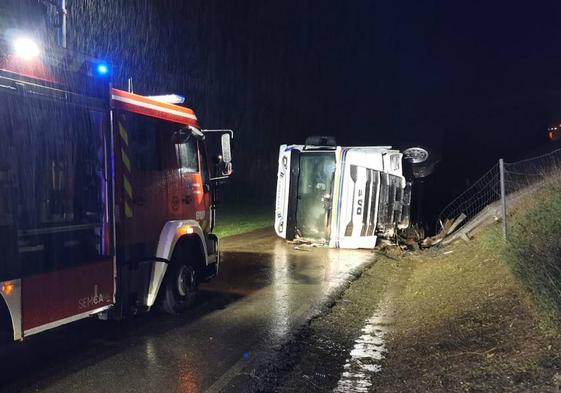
107 197
342 197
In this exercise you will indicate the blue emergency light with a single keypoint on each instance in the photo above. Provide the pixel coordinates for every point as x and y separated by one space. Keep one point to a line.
102 69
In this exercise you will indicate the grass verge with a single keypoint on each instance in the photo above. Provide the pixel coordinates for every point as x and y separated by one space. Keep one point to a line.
534 247
235 220
466 324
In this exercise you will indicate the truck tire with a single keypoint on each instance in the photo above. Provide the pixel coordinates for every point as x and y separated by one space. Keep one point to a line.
181 288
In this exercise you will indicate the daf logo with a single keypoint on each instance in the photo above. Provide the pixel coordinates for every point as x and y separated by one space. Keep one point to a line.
359 203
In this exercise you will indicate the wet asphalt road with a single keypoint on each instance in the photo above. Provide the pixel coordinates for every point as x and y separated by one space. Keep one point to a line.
264 292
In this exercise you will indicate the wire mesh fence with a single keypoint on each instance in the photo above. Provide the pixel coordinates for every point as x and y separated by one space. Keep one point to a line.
522 174
473 200
518 179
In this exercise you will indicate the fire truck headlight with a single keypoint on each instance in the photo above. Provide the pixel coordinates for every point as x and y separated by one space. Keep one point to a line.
8 288
26 49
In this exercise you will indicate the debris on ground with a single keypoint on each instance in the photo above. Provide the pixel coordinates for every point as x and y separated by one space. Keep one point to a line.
449 226
306 242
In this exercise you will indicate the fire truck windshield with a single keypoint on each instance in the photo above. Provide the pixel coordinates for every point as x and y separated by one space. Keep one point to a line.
53 189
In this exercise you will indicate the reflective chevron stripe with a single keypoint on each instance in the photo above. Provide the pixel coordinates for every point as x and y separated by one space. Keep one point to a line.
127 186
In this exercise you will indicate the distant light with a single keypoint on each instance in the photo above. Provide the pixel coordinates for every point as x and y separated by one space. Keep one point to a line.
168 98
102 69
26 49
553 135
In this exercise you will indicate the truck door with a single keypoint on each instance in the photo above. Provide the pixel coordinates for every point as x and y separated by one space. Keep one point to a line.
315 185
194 170
206 202
149 184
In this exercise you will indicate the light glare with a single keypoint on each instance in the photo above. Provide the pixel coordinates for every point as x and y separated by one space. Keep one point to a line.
26 49
168 98
8 288
102 69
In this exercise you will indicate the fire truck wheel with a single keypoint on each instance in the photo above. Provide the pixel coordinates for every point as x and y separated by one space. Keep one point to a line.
181 288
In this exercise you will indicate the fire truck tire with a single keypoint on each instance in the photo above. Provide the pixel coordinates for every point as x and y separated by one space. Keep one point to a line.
181 288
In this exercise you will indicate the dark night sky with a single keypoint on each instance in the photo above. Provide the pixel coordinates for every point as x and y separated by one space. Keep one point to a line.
475 80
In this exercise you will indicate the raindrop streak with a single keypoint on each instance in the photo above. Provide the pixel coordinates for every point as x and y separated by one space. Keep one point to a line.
366 356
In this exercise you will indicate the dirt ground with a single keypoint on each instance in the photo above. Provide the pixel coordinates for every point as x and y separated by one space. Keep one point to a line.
461 323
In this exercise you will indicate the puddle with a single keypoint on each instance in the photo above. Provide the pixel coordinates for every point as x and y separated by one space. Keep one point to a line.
369 350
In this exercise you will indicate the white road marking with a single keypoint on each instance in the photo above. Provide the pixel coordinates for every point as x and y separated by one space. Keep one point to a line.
369 350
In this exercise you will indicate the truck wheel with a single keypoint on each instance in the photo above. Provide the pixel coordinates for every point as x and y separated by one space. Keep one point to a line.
181 288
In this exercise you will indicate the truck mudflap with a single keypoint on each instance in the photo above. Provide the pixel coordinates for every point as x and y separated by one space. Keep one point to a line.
213 258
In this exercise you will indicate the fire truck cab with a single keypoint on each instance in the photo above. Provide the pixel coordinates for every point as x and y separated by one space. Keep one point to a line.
107 197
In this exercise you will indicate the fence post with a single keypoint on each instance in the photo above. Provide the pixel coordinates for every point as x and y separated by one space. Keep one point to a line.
503 195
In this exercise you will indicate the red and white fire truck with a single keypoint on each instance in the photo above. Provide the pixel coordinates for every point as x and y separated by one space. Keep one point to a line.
107 198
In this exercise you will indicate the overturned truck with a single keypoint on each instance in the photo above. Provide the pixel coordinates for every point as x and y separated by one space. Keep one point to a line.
344 197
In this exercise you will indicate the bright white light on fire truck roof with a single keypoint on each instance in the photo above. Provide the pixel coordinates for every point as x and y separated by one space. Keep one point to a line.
26 48
169 98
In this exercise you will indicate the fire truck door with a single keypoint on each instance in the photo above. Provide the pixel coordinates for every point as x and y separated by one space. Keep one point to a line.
195 199
206 200
141 183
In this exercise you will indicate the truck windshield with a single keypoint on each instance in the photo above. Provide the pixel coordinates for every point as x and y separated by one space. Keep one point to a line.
315 188
52 184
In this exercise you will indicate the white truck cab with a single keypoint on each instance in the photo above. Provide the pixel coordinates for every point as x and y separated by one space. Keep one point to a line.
343 197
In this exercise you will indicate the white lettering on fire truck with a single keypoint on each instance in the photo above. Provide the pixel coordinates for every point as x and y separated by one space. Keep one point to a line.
200 215
96 299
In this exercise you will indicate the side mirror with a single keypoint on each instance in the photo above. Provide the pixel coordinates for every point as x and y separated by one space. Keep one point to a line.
226 150
225 167
222 157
